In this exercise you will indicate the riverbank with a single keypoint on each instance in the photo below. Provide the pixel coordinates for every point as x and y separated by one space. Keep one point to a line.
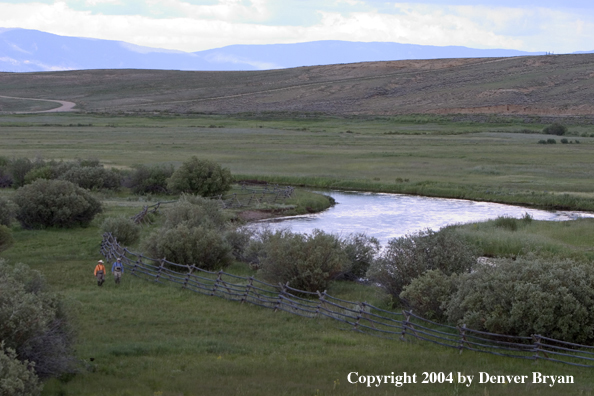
544 200
500 161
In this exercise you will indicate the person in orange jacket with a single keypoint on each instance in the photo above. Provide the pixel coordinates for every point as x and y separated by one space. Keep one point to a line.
100 273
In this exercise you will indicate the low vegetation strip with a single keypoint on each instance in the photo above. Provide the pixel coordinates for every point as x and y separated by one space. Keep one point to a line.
359 316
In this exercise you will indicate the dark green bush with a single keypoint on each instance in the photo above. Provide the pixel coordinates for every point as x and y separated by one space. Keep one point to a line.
528 296
150 179
17 378
203 247
18 168
47 172
194 211
305 261
59 203
6 239
34 322
429 294
555 129
7 211
564 141
408 257
360 250
202 177
123 229
551 141
93 177
239 239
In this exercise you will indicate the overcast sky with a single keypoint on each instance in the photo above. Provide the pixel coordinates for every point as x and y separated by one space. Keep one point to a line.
195 25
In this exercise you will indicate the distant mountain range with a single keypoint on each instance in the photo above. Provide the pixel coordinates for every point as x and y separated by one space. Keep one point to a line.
23 50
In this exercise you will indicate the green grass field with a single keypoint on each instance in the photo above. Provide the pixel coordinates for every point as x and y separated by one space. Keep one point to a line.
148 339
429 156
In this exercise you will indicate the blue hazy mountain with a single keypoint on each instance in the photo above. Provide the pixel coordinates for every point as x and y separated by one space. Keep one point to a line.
23 50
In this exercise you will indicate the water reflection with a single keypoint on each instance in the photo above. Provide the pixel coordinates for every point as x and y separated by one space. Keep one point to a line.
386 216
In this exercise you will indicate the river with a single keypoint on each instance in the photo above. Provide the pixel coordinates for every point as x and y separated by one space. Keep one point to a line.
387 216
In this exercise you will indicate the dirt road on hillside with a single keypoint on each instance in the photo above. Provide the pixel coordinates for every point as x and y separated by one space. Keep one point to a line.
64 105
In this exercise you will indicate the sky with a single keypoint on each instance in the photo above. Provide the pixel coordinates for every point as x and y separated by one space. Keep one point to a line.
196 25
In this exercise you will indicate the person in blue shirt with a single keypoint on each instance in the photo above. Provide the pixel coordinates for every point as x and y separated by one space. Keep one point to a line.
117 269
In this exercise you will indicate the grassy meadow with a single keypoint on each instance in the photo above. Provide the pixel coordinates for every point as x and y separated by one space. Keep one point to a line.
147 339
426 155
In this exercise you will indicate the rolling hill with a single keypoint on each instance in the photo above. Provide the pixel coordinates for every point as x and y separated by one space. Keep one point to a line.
539 85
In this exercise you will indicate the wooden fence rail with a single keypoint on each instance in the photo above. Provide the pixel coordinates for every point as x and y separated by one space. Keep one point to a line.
359 316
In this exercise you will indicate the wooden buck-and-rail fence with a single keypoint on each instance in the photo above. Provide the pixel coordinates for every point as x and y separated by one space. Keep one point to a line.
358 316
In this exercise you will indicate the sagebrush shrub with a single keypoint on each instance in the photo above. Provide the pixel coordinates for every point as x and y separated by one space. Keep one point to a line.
429 294
18 168
45 172
239 239
124 229
305 261
55 203
408 257
93 177
555 129
360 250
150 179
7 211
200 246
6 239
550 297
202 177
194 211
35 322
17 378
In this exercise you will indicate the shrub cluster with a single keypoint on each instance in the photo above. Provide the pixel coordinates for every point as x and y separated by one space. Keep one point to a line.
304 261
409 257
55 203
202 177
555 129
88 174
193 233
17 378
150 179
124 229
34 324
7 211
527 296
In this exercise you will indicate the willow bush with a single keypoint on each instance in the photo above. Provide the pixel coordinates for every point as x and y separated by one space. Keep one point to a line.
410 256
124 229
305 261
531 295
202 177
55 203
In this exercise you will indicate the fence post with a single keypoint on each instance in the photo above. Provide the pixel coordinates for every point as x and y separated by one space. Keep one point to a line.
361 312
407 324
404 325
462 331
280 296
247 289
190 270
160 269
216 284
536 338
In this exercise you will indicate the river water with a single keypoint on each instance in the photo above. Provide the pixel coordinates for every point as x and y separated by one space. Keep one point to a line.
387 216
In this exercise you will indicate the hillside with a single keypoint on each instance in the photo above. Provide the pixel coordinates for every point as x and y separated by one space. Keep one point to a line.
539 85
